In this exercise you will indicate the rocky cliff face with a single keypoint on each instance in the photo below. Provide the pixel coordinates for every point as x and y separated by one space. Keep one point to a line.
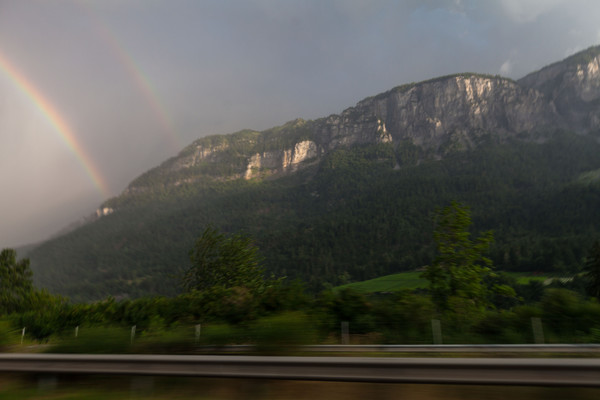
573 85
281 161
440 115
432 114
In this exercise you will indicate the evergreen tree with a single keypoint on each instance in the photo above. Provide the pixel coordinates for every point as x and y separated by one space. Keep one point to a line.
592 271
16 286
220 260
456 276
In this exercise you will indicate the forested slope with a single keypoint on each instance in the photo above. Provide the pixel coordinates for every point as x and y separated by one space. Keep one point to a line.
359 214
350 196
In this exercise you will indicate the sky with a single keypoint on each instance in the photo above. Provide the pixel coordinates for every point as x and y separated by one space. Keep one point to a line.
94 93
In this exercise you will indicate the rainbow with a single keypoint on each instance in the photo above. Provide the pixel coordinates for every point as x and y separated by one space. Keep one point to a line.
143 84
57 122
135 73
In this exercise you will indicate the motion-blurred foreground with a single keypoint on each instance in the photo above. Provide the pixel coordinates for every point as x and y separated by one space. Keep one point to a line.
226 389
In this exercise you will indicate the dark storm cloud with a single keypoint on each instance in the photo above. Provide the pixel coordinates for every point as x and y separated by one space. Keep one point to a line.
210 67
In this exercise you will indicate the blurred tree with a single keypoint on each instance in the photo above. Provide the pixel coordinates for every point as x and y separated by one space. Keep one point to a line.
592 271
224 261
532 292
16 287
456 276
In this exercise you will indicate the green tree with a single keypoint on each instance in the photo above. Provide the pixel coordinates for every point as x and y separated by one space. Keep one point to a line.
220 260
592 271
457 275
16 286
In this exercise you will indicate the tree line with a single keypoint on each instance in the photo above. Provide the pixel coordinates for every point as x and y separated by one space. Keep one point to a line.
362 212
226 289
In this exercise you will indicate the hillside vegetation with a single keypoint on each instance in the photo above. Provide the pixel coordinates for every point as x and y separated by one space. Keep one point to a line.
365 211
350 197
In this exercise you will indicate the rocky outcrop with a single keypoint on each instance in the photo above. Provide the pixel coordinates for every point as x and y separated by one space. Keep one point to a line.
440 116
303 151
287 160
573 85
104 211
196 154
431 113
451 112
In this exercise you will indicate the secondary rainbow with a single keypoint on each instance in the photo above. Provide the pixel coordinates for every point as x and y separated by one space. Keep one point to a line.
140 80
142 83
57 122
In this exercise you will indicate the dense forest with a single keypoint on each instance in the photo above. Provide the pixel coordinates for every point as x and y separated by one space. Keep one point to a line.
362 212
352 196
228 299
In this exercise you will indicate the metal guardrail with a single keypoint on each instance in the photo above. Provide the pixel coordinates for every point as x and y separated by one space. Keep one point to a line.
439 348
479 371
460 348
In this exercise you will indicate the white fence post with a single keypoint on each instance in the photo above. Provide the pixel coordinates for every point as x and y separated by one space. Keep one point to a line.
133 333
538 330
198 330
345 332
436 328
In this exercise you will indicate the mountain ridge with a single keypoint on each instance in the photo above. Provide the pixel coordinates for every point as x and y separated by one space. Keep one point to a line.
573 86
370 121
548 113
349 195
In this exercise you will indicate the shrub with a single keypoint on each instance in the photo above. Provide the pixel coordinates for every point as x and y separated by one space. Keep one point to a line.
282 332
38 325
8 335
95 340
172 341
219 335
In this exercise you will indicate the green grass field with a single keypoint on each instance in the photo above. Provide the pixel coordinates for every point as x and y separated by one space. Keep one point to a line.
523 278
412 280
389 283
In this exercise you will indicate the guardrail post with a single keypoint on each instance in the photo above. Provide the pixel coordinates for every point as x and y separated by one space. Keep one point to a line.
133 333
538 330
345 332
22 335
198 330
77 331
436 329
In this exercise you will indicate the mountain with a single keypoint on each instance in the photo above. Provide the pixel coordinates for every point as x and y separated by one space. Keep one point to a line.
437 116
574 88
350 196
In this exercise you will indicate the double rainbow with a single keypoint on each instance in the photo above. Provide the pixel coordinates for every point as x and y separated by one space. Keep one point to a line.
57 122
141 82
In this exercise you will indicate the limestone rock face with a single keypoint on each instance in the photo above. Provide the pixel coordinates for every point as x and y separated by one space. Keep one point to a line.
573 85
441 115
200 153
430 113
269 162
303 151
